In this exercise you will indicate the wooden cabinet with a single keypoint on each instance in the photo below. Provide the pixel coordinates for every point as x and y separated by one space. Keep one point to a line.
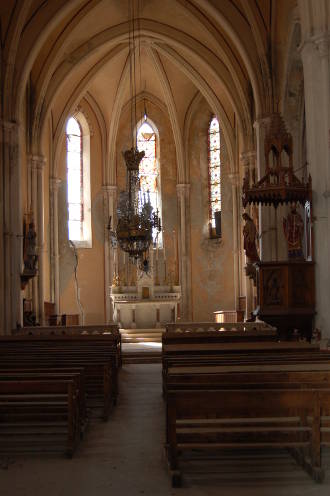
286 296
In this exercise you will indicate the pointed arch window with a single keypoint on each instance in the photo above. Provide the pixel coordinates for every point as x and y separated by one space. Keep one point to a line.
214 172
147 141
78 181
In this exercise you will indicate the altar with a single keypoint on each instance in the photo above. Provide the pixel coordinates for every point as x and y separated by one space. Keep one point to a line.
145 304
145 310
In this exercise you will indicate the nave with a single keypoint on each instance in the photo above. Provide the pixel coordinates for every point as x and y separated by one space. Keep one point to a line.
124 456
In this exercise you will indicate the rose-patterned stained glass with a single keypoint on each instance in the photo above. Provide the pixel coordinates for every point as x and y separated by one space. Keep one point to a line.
74 179
214 169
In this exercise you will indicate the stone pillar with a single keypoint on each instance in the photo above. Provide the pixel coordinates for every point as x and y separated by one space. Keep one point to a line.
38 163
11 227
55 256
248 161
265 212
183 196
234 179
316 65
109 209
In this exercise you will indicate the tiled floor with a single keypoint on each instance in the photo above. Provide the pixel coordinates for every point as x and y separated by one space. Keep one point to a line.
124 457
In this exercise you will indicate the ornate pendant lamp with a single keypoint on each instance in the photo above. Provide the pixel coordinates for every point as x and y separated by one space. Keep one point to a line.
136 218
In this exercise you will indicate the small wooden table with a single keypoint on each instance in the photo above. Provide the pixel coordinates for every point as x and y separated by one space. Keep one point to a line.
222 316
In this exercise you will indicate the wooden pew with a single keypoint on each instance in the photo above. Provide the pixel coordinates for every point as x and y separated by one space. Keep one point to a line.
77 375
108 331
37 415
257 417
212 378
97 354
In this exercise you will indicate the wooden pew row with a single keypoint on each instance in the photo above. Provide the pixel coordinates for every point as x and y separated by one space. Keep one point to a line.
90 333
100 389
98 356
296 418
205 373
185 355
38 415
245 330
77 375
192 432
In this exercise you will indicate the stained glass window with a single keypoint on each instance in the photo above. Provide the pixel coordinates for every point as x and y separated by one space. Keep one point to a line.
149 168
214 173
74 153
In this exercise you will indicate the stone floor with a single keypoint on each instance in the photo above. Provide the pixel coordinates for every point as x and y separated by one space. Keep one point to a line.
124 457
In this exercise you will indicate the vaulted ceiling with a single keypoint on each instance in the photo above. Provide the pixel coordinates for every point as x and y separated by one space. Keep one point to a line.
63 50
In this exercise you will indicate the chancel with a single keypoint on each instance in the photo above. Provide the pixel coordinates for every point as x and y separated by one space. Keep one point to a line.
164 228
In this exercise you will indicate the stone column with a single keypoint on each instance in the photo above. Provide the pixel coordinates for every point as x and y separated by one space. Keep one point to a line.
55 256
316 65
248 161
234 179
11 227
109 208
265 212
183 196
38 163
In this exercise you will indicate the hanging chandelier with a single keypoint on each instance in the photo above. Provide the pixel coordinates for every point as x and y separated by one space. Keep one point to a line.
137 221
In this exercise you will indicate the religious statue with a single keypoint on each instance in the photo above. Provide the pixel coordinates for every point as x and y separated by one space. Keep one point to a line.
250 234
31 251
293 226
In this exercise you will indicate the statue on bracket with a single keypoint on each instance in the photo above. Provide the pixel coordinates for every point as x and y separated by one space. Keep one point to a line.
31 251
250 235
293 226
30 254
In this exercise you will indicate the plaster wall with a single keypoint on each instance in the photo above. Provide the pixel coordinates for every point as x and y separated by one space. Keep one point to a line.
90 271
211 259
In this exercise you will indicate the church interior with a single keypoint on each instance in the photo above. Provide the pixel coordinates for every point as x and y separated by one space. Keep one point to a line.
164 229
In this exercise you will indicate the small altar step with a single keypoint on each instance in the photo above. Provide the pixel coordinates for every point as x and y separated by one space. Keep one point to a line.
142 352
141 335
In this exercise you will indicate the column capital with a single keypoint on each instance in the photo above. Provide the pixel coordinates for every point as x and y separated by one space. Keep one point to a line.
263 121
37 162
319 44
234 178
10 131
183 189
110 188
248 158
55 183
322 44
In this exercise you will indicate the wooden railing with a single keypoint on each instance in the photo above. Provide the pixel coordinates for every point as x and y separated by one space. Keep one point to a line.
104 329
195 327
